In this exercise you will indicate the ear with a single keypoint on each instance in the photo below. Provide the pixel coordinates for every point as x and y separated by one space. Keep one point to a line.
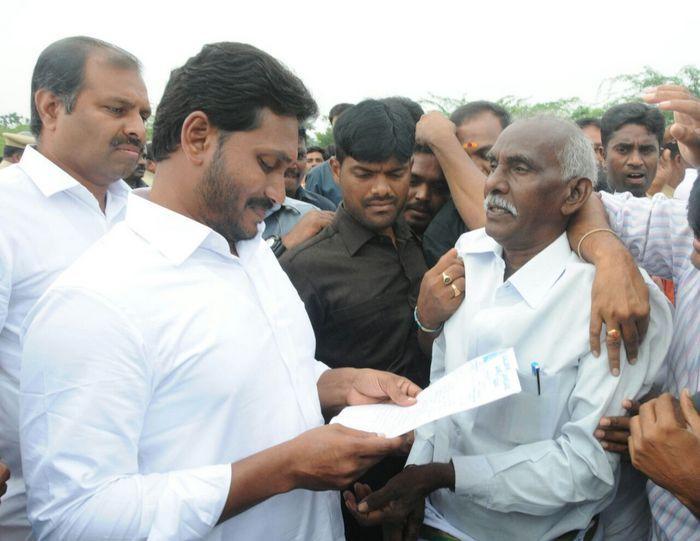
48 106
198 137
579 190
335 169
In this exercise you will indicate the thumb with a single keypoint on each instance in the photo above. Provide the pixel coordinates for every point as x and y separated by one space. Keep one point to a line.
401 390
683 134
691 415
376 500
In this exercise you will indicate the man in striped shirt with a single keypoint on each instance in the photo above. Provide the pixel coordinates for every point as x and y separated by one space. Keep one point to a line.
664 237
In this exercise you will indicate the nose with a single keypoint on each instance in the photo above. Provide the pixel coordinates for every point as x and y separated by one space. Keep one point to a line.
635 159
381 187
421 192
135 126
274 188
495 182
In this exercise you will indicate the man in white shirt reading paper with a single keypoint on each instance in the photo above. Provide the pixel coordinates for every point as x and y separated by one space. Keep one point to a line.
527 466
168 387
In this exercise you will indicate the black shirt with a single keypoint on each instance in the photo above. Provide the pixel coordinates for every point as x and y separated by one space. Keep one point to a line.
442 233
315 199
360 291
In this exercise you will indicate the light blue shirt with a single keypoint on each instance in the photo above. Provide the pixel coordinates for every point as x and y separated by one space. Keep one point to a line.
284 217
528 466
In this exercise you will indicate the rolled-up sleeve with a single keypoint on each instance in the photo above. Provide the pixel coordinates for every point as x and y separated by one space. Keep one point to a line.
655 231
85 388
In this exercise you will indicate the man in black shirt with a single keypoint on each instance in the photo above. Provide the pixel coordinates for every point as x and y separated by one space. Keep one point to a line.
360 277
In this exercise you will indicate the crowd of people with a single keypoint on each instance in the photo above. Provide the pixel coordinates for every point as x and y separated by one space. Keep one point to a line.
180 318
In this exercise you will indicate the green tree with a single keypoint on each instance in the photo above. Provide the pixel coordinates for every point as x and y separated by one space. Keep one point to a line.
321 138
13 123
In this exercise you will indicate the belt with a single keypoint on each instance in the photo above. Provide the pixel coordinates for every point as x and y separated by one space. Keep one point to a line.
433 534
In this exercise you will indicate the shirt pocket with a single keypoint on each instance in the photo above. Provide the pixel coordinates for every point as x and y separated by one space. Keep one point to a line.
528 416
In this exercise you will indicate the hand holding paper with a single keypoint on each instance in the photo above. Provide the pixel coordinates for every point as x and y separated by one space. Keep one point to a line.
478 382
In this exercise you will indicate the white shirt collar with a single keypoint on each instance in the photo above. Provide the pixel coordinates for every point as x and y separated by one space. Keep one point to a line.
537 276
176 236
51 179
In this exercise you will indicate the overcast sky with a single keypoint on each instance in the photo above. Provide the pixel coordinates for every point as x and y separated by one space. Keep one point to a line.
346 51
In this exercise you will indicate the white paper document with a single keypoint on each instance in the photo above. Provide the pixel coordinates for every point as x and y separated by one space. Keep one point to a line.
478 382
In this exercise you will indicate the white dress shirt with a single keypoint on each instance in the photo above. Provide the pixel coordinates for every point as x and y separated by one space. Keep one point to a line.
47 219
528 466
154 362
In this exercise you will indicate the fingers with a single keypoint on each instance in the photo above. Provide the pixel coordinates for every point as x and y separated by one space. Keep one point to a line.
400 390
413 524
690 414
632 406
445 261
594 334
614 423
377 500
376 447
647 417
642 327
631 340
635 440
612 344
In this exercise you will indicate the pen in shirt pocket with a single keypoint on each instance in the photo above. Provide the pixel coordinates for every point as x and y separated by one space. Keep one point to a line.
535 366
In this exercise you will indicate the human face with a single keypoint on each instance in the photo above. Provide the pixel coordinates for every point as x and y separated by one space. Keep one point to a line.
296 171
373 193
427 192
592 133
101 140
526 178
477 135
245 176
631 158
140 167
313 159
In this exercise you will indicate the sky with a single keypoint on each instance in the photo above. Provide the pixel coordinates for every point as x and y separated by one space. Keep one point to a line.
346 51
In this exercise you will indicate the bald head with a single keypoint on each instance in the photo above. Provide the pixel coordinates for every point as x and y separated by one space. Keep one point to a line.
562 140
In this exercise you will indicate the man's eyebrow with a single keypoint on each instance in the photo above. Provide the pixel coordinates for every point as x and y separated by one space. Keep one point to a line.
521 159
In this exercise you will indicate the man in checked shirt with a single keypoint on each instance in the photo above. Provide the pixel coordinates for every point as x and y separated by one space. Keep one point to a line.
664 236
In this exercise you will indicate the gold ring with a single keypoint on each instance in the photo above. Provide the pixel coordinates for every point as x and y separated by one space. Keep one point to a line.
446 279
614 335
456 291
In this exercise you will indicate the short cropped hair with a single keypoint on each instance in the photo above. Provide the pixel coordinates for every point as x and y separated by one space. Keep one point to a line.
338 109
476 108
632 113
60 69
320 150
231 83
414 109
588 121
375 131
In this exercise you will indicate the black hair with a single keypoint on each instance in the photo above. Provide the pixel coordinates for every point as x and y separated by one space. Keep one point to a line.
632 113
374 132
588 121
476 108
337 110
9 151
694 208
231 83
318 149
414 109
60 69
302 134
422 149
149 150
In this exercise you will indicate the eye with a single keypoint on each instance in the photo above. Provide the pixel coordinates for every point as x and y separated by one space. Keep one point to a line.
265 165
521 169
493 163
115 110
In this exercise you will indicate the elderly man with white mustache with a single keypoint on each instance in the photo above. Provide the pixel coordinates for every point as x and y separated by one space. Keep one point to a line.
527 466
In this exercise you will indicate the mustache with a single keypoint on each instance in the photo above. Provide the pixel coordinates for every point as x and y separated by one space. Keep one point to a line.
495 200
133 141
389 199
419 206
261 202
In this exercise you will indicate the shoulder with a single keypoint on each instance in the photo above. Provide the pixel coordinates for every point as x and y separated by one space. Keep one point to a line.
311 251
299 206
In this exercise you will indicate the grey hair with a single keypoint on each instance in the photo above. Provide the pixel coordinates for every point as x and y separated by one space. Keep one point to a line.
576 157
60 69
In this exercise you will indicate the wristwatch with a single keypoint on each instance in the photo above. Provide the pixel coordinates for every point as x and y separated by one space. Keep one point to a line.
276 245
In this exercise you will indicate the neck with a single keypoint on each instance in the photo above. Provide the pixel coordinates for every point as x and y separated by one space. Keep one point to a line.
516 257
165 193
97 190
